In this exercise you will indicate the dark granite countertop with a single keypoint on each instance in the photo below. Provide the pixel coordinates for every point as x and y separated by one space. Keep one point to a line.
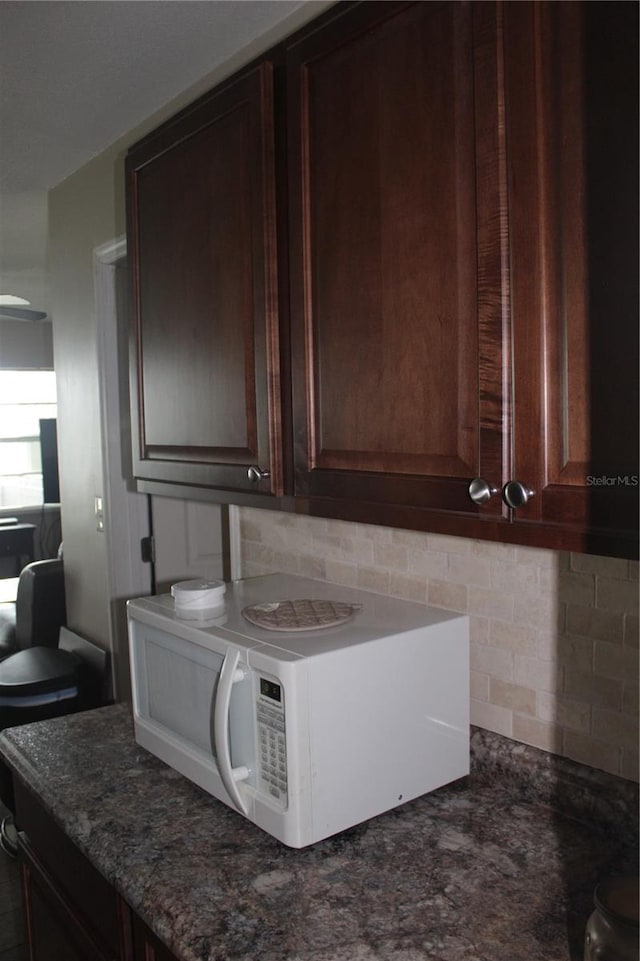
490 868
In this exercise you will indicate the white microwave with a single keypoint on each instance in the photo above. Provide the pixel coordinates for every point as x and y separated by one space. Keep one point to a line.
305 732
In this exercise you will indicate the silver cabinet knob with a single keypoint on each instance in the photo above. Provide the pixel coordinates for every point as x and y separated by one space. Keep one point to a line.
480 491
515 494
255 474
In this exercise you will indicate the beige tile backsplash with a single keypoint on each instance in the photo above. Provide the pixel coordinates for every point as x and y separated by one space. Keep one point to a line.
554 636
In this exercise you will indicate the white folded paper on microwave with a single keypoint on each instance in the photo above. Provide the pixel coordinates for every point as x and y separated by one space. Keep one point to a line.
198 599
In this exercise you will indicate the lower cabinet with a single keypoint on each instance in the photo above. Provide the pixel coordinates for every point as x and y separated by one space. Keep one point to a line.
58 930
72 913
147 947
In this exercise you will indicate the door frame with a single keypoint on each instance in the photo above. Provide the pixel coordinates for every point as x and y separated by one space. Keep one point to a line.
126 512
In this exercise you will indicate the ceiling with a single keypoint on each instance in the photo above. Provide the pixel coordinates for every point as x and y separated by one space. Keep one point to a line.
76 76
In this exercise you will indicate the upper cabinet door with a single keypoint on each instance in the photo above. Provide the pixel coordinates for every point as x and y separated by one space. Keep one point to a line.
398 258
571 77
202 250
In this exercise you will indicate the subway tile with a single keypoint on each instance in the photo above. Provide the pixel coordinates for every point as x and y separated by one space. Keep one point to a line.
590 750
390 556
501 552
548 580
449 545
577 588
598 691
513 637
331 547
380 536
469 569
479 686
563 711
616 728
616 595
631 633
603 566
312 567
529 730
576 651
537 610
611 660
519 699
339 572
540 622
362 551
547 647
453 597
368 532
250 529
428 564
490 603
373 579
478 629
591 622
630 697
270 561
537 675
492 717
538 557
492 661
514 578
411 540
411 588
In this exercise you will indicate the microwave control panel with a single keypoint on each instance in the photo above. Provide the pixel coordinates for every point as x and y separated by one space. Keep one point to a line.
272 745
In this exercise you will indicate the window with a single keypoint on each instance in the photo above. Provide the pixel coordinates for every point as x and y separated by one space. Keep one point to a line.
25 397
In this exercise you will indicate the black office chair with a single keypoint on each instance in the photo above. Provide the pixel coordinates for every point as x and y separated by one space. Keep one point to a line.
64 674
39 611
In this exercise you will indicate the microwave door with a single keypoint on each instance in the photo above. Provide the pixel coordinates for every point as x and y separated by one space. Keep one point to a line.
193 709
220 741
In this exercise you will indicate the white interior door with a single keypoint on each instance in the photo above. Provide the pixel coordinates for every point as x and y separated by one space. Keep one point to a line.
189 541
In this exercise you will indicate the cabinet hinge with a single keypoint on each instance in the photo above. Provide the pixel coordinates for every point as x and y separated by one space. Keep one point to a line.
148 550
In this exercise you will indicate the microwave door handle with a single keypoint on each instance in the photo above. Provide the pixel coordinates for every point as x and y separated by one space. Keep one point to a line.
230 775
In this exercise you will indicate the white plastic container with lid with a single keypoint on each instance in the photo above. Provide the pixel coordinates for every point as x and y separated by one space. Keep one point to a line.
198 599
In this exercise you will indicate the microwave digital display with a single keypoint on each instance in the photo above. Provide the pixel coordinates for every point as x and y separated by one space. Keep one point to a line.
270 689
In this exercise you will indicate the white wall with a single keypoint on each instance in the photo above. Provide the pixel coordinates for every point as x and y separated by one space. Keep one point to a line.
25 345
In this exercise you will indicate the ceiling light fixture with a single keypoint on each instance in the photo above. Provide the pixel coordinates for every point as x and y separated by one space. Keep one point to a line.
22 313
10 300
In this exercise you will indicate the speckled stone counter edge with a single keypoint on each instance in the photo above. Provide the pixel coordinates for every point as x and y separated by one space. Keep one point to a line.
604 801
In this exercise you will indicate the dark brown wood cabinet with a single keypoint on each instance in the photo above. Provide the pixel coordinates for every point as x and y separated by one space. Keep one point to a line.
398 256
572 139
203 255
57 930
464 270
146 946
72 912
436 282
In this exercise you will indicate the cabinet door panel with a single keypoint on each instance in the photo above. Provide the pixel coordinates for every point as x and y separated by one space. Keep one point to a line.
56 931
146 946
193 209
203 251
572 132
397 254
